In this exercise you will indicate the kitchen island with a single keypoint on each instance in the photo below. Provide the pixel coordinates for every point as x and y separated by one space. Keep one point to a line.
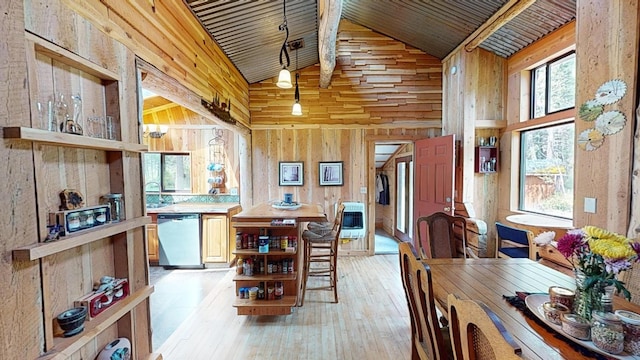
277 226
217 234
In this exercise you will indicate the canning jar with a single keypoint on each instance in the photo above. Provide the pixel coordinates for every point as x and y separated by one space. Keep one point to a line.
100 216
86 219
631 326
116 204
73 221
607 332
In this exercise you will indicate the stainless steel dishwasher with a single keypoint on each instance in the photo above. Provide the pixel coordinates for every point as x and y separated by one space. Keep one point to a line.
179 240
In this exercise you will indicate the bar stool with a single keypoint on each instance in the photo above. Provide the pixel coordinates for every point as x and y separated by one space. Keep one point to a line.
321 254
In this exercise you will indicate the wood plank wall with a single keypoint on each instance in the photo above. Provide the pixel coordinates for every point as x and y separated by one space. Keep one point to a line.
35 292
381 90
378 81
168 36
21 330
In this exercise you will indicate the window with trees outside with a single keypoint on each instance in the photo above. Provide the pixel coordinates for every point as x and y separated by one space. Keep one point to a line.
167 172
547 153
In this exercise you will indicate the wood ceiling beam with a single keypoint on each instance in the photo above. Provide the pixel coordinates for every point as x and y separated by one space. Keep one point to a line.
505 14
329 12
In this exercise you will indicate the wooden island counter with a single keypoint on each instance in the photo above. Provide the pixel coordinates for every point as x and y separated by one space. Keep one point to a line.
264 219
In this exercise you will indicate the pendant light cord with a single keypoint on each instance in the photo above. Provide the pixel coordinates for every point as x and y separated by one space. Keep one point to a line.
284 27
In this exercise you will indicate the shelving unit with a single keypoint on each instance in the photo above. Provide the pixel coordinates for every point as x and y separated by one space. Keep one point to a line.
289 280
483 162
95 166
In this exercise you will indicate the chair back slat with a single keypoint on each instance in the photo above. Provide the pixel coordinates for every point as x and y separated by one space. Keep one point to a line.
441 235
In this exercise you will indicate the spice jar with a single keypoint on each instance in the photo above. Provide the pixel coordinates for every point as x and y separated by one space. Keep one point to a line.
564 296
279 291
576 326
73 221
607 332
631 327
86 219
100 216
554 311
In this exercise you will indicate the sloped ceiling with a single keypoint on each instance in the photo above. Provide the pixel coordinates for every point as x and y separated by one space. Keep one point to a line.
248 31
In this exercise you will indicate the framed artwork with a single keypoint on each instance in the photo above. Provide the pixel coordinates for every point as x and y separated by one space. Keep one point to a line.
291 173
331 173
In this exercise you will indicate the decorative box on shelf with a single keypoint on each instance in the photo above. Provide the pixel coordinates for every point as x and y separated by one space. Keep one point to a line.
100 300
486 160
85 218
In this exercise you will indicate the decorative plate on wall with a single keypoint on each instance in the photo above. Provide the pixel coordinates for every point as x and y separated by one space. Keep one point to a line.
611 91
590 110
590 139
610 122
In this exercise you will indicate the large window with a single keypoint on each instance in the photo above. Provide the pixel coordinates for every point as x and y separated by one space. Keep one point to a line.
546 170
167 172
553 86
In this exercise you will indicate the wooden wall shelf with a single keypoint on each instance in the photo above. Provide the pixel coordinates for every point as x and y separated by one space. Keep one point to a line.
66 347
69 140
483 160
40 250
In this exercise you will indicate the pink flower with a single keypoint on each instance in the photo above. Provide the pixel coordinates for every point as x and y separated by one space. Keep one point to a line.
572 243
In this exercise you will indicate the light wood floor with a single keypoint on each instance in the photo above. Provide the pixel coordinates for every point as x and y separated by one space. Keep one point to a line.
371 321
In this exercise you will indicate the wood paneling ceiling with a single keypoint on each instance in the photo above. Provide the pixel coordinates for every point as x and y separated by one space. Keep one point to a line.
247 31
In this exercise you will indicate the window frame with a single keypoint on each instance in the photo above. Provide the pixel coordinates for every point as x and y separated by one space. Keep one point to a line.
547 93
163 188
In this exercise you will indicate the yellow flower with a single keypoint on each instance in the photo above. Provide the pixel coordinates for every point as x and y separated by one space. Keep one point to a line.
595 233
612 247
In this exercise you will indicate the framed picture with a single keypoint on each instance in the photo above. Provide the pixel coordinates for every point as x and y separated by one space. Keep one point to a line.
291 173
331 173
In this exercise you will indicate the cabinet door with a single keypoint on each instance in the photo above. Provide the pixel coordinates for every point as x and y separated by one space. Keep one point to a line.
152 243
214 238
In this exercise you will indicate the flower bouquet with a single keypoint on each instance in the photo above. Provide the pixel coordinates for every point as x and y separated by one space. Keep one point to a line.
597 257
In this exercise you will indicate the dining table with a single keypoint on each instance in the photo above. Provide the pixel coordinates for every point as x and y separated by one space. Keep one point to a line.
489 280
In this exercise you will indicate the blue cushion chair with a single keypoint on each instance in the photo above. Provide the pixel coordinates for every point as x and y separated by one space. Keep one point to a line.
515 243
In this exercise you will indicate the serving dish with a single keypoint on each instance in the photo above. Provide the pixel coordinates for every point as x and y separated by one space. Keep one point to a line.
286 206
535 302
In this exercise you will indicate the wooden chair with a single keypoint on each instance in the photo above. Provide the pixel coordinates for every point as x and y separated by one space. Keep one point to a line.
428 340
477 332
321 256
445 236
515 243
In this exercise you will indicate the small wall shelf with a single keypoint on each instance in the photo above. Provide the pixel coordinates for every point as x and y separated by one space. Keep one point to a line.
40 250
486 159
65 347
69 140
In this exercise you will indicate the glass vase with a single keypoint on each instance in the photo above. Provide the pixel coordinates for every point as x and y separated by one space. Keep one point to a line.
587 299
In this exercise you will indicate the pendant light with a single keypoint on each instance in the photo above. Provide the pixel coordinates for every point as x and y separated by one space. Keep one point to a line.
284 78
297 108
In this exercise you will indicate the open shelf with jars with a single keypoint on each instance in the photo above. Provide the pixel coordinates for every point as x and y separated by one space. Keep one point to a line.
267 263
486 159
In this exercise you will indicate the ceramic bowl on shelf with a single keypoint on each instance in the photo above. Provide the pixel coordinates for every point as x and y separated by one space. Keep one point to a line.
72 321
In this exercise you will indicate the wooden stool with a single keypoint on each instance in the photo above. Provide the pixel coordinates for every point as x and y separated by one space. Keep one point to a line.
321 256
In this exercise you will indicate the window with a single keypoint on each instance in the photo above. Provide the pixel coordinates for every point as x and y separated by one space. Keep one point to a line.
167 172
553 86
546 170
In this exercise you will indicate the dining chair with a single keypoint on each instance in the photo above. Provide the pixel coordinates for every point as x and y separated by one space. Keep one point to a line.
477 332
428 339
321 255
444 235
515 243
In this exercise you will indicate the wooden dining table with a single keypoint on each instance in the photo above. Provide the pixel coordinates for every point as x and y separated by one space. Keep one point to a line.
487 280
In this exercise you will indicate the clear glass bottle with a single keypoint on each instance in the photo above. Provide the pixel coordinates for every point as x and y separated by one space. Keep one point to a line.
116 204
607 332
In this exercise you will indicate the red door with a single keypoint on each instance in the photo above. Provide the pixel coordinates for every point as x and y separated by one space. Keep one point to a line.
434 177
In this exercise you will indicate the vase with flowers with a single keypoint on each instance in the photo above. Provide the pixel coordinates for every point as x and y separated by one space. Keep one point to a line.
597 257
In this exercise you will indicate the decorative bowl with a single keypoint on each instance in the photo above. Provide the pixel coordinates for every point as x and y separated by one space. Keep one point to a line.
72 320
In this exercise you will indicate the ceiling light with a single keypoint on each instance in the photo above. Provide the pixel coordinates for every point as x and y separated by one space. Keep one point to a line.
297 108
284 78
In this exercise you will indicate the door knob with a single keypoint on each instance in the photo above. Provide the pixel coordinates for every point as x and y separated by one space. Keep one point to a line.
447 208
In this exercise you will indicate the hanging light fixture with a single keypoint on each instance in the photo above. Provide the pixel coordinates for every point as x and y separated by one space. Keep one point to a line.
297 108
284 78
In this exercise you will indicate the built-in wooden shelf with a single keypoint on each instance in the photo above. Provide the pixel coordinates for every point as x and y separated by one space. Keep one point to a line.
266 277
255 252
64 348
69 140
40 250
265 307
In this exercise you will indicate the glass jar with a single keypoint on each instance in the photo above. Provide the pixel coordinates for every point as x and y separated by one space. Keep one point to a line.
116 204
631 326
607 332
100 216
73 221
86 219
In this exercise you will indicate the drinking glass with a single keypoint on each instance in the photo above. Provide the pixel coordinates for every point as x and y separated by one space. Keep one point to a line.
109 131
95 126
